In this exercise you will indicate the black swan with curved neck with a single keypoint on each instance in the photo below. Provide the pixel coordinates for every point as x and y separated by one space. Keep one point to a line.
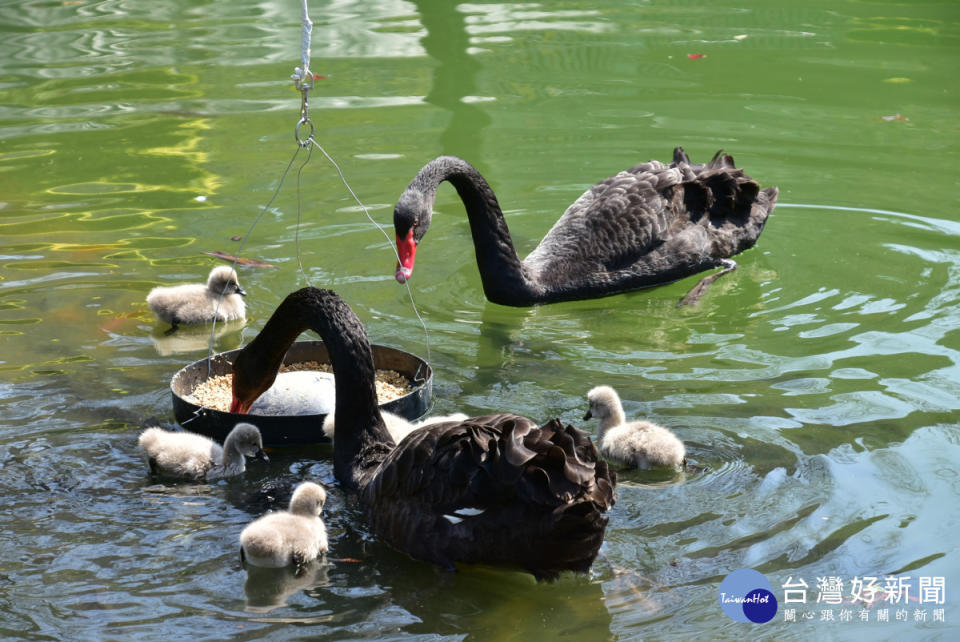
649 225
494 490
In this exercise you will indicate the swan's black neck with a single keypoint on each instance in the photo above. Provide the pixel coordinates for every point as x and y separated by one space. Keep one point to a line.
505 279
361 440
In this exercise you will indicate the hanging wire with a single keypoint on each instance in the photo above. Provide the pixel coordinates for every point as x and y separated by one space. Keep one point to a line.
296 237
236 259
390 243
304 135
303 78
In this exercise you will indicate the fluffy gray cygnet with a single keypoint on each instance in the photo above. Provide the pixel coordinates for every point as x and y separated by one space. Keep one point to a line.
291 537
641 444
198 303
187 455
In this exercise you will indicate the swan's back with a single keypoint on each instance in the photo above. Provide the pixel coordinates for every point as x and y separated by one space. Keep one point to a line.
289 537
282 538
651 224
643 444
179 454
496 490
200 303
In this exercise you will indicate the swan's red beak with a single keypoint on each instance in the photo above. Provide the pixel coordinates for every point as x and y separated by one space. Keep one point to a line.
407 251
239 407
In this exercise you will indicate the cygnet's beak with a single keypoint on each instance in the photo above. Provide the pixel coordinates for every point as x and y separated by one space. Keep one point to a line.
241 291
261 455
588 415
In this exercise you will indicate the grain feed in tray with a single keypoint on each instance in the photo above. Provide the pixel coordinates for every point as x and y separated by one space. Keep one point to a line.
217 392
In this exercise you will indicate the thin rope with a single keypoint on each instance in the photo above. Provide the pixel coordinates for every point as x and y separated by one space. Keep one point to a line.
303 272
390 244
236 259
302 76
305 41
303 79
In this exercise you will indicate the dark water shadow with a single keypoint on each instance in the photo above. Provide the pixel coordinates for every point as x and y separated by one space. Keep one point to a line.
454 77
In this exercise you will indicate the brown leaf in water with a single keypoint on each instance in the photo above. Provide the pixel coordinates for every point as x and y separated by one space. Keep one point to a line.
240 261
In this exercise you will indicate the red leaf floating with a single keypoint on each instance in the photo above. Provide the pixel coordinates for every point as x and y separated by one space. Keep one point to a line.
696 56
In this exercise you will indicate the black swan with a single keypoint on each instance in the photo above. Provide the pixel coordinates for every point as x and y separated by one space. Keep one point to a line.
494 490
648 225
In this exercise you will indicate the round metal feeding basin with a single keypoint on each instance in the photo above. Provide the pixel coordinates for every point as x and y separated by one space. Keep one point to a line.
299 429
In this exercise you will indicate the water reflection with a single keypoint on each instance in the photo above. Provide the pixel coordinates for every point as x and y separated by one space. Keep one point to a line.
187 339
454 77
269 588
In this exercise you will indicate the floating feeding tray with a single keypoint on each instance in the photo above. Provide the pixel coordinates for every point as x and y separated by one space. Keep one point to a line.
284 414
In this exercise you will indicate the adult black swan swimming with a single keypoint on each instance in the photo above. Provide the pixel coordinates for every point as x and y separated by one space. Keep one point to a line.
497 490
648 225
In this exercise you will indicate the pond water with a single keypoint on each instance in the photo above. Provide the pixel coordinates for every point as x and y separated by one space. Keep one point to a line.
817 385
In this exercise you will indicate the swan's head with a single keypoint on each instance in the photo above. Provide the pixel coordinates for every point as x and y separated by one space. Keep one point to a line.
603 402
411 219
308 499
247 440
250 380
223 278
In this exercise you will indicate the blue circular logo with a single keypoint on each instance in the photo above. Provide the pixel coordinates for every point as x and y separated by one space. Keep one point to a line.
747 596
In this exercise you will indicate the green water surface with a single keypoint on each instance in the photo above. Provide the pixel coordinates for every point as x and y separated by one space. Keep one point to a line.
817 386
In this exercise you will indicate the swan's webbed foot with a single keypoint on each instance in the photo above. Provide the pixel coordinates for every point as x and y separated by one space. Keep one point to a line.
693 296
173 328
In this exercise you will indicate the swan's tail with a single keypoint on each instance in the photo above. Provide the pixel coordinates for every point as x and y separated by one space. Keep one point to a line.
720 160
720 196
723 191
579 520
498 490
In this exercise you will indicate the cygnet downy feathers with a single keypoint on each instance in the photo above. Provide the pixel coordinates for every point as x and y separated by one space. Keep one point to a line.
397 426
641 444
187 455
197 303
295 537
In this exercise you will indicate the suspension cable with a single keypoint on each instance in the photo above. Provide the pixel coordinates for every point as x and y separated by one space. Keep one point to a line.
304 131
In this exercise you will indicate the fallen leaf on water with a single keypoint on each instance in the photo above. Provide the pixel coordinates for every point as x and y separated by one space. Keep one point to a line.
741 36
696 56
894 117
123 319
239 261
